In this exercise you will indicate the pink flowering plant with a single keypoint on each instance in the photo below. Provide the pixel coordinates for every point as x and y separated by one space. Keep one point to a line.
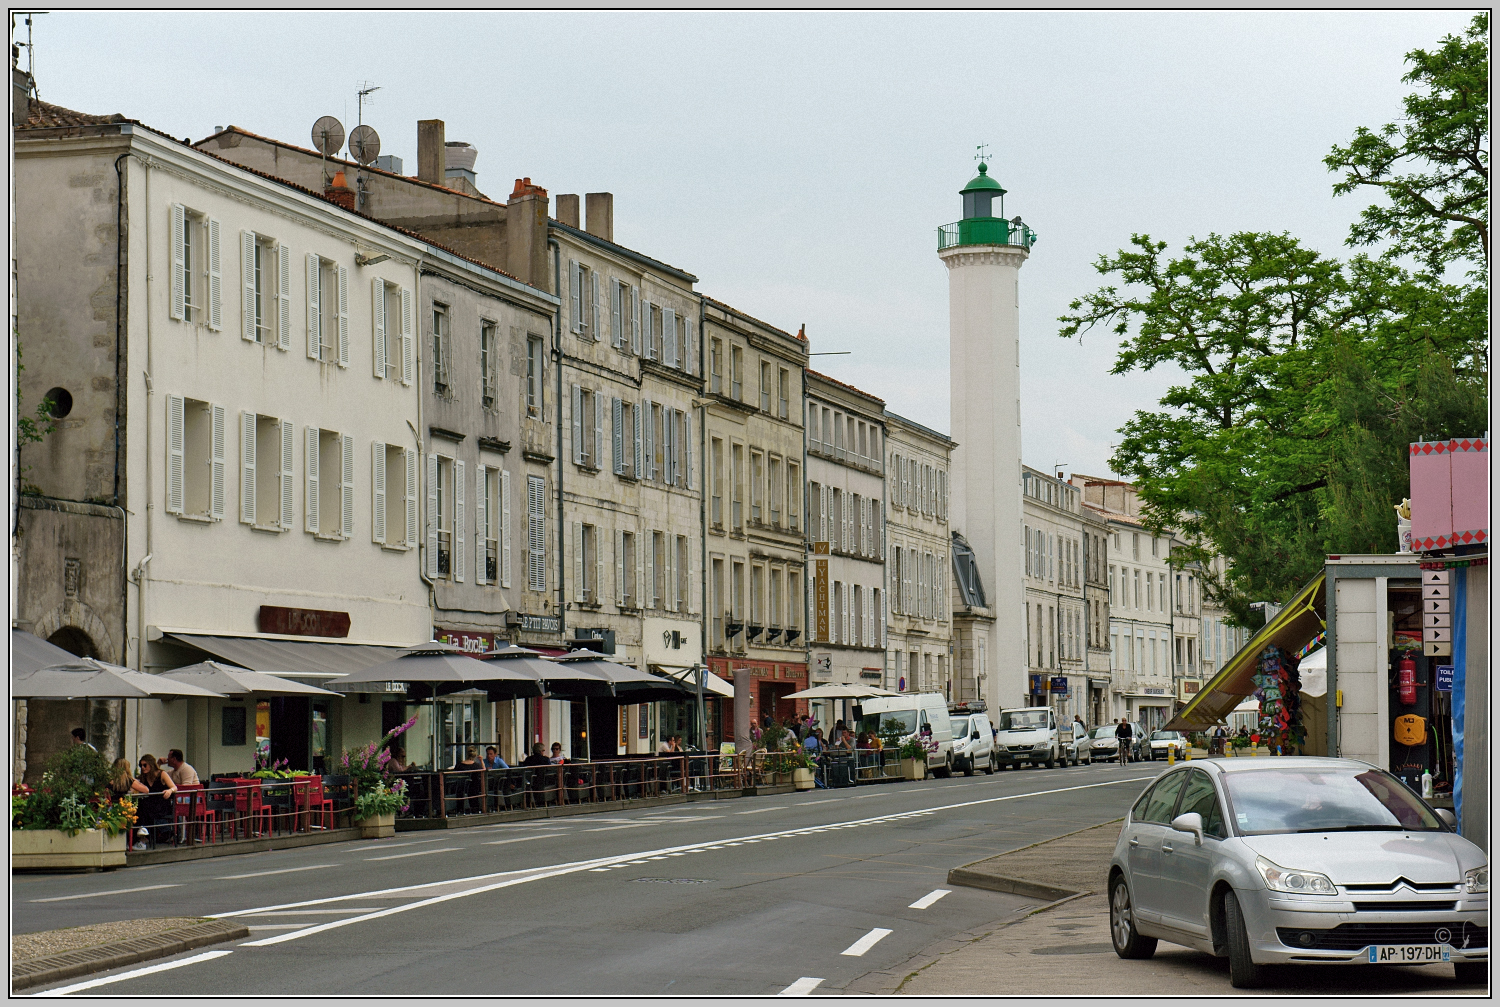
369 765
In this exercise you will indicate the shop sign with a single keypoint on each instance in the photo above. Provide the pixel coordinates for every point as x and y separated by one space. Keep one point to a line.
1155 692
471 643
820 592
1444 678
1060 683
541 623
1038 683
303 622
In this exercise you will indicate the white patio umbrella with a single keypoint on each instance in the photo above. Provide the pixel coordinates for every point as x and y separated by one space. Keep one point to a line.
29 652
86 678
231 681
841 692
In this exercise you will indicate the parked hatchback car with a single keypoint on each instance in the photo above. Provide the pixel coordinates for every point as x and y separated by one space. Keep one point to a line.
1297 860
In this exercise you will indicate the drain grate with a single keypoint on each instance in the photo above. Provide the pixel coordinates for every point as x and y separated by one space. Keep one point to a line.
672 881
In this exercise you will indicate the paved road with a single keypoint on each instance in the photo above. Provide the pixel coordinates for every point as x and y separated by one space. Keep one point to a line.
747 896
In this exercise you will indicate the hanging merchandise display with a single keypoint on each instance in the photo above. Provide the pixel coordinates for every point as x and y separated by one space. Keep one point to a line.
1277 686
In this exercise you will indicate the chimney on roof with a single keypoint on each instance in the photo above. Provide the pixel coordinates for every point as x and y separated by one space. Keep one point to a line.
567 208
458 161
431 151
601 214
526 234
338 190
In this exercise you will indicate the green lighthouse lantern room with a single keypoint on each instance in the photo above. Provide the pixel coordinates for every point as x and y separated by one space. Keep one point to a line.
980 224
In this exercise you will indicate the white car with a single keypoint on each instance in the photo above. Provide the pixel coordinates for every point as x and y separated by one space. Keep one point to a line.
973 743
1081 749
1164 741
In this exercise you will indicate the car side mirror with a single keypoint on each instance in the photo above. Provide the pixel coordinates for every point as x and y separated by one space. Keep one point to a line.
1190 822
974 736
1446 816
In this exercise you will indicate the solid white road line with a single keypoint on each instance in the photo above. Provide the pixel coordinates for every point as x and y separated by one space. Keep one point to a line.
801 988
929 899
284 870
866 942
115 891
522 839
318 912
632 825
779 807
276 926
388 846
79 987
418 853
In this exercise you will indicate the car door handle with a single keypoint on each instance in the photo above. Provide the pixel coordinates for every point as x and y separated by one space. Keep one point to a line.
1165 848
1135 842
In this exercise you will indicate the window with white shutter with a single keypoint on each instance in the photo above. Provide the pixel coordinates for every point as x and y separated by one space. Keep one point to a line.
312 459
460 480
638 455
288 474
250 302
181 308
432 517
314 308
596 444
408 340
247 468
536 538
410 490
504 530
617 296
669 337
621 598
483 572
215 278
377 325
283 297
377 489
346 486
575 285
617 435
580 593
218 435
635 320
687 449
594 305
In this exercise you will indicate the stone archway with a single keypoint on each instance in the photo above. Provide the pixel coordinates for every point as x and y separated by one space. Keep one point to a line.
75 615
46 722
74 640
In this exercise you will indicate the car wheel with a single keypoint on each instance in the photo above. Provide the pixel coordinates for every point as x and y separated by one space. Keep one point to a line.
1244 974
1477 973
947 771
989 766
1052 762
1123 935
969 766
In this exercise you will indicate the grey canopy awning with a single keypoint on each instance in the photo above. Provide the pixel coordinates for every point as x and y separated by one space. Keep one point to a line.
327 662
29 652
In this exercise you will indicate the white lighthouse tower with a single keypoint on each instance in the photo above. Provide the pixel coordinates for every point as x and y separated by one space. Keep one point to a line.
984 253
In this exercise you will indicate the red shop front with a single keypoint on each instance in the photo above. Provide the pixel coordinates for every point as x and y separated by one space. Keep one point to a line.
769 682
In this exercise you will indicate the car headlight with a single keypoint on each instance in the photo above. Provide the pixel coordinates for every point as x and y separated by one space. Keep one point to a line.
1279 879
1477 880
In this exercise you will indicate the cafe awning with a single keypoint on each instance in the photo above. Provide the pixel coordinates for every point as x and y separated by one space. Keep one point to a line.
1294 625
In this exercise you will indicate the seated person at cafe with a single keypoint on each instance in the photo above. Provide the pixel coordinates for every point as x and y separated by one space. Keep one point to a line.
469 760
398 760
537 756
179 771
557 754
492 758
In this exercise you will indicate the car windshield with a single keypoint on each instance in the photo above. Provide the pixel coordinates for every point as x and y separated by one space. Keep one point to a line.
960 728
1022 720
892 723
1107 731
1273 801
1165 736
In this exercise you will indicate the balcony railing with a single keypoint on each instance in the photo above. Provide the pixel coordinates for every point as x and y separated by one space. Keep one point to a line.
985 231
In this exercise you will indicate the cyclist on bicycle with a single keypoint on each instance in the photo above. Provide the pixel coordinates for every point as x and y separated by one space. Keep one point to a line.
1124 736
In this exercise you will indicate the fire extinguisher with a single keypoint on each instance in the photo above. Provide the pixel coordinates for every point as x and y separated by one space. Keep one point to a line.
1406 681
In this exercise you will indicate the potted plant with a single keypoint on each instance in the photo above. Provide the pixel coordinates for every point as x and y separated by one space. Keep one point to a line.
914 757
375 809
70 819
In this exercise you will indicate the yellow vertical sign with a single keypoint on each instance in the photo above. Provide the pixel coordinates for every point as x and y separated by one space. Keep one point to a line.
820 590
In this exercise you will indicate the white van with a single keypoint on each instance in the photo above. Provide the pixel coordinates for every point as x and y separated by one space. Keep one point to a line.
973 742
1027 734
900 717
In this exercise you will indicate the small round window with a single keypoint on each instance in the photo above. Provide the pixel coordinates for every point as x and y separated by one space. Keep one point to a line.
62 403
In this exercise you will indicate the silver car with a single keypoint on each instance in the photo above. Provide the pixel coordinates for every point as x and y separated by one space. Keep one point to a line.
1297 860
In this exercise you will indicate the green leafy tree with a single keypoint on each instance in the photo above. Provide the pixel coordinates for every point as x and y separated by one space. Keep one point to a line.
1434 164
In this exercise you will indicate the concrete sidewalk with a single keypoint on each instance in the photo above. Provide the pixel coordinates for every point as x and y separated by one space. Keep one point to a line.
1066 950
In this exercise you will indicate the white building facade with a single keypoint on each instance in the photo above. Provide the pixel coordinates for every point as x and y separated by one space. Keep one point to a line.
920 653
1056 633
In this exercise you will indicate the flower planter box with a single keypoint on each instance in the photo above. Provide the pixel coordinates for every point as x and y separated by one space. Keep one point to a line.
377 826
802 779
914 769
53 848
780 779
1250 751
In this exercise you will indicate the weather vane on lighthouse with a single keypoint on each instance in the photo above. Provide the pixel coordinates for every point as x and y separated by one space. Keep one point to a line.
982 152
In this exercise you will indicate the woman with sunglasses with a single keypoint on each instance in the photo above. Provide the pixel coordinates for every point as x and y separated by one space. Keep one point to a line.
155 808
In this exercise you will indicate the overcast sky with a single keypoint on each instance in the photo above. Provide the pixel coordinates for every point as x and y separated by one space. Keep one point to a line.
799 165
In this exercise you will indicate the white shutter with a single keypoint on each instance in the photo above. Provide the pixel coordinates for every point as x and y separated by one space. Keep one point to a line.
577 425
175 453
408 341
247 285
377 492
694 601
311 494
411 497
882 626
617 415
575 285
668 445
346 488
504 531
536 534
217 434
596 458
283 297
669 337
648 600
687 448
343 316
687 334
432 517
646 463
377 305
619 567
864 520
314 312
247 468
578 561
642 546
288 473
616 309
844 614
635 320
459 548
481 523
598 565
215 278
822 513
648 345
877 531
594 301
635 463
179 260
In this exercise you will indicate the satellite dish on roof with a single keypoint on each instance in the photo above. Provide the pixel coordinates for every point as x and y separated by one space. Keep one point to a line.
364 144
328 136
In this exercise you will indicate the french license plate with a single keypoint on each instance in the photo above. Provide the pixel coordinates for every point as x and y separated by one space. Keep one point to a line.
1407 954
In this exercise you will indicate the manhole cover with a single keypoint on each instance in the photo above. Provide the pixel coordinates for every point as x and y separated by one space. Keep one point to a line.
1076 949
673 881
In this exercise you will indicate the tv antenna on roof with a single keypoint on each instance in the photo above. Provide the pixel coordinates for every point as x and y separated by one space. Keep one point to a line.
328 138
29 44
364 145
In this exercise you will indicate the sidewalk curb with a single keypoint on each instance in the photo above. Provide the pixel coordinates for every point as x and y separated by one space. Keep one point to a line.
1001 883
101 958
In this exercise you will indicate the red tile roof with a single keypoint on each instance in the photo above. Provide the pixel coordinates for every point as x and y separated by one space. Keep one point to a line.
43 115
746 315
